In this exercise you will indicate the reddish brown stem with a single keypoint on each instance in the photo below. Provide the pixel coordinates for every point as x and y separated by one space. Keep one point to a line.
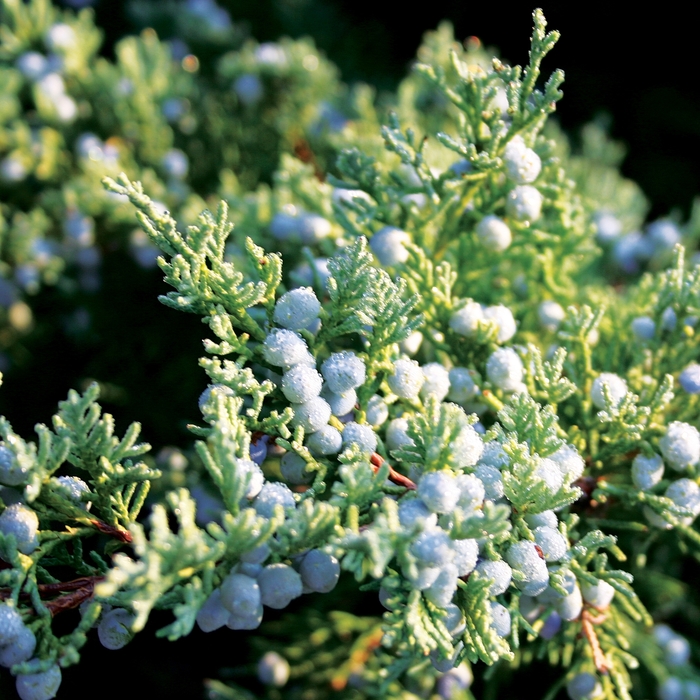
118 532
377 460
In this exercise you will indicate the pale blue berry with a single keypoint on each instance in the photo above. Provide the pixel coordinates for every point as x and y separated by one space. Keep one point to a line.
550 315
680 446
341 404
671 689
326 441
175 164
608 227
550 473
273 494
525 557
437 381
677 651
249 89
343 371
686 494
301 383
313 228
467 448
616 386
524 203
297 309
689 379
466 555
279 585
312 415
22 522
416 512
396 435
13 472
500 574
493 233
407 379
547 518
643 327
442 590
504 369
465 321
584 686
551 626
253 475
471 493
454 620
439 491
39 686
377 411
11 625
212 615
389 245
114 630
647 472
522 164
319 571
75 487
552 543
361 435
569 607
293 469
273 669
284 348
433 548
599 595
21 649
241 596
462 386
570 463
500 619
491 478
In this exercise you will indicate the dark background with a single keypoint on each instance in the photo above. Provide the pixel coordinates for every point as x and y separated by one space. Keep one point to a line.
640 68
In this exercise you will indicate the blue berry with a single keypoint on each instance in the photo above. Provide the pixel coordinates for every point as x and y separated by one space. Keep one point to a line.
407 379
500 619
584 686
454 620
552 543
451 683
415 511
377 411
442 590
462 386
551 315
671 689
23 523
175 164
524 203
523 165
75 488
212 615
504 369
258 449
11 625
12 471
616 385
494 234
301 383
389 245
471 493
361 435
437 381
677 651
647 472
297 309
467 448
500 574
257 555
273 669
311 415
525 557
279 585
293 469
319 571
396 435
284 348
114 630
491 478
251 472
326 441
439 491
241 596
466 556
643 327
341 404
343 371
689 379
551 626
273 494
39 686
249 89
608 227
313 228
503 318
599 595
21 649
465 320
680 446
433 548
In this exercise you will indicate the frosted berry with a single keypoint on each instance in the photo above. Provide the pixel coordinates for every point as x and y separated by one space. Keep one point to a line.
685 493
241 595
361 435
599 595
680 446
284 348
490 477
471 493
569 607
297 309
500 619
311 415
75 487
550 473
272 495
377 411
11 625
12 472
493 233
551 315
437 381
525 557
547 518
466 555
647 472
552 543
608 227
410 345
251 472
524 203
341 404
114 630
396 435
523 165
407 379
279 585
23 523
584 686
467 447
21 649
671 689
313 228
389 245
319 571
301 383
175 164
273 669
39 686
442 590
439 491
326 441
433 547
494 455
502 316
616 385
343 371
500 574
416 512
569 462
677 651
293 469
504 369
689 379
462 386
465 321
